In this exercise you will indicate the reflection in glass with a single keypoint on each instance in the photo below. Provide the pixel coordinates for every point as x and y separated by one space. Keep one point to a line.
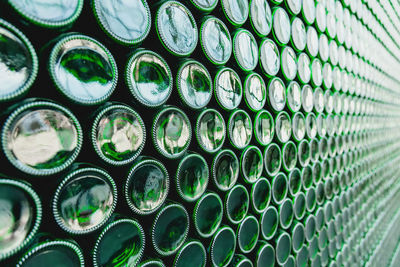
216 41
228 88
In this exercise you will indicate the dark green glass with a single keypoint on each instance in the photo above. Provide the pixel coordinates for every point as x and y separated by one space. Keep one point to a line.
127 22
240 260
194 84
58 252
251 162
147 185
260 17
48 14
286 213
283 247
265 254
192 253
264 128
83 69
314 145
21 215
236 11
120 243
247 234
84 200
237 204
289 157
269 57
269 222
228 88
255 91
240 129
279 188
280 25
245 48
215 40
152 263
170 229
118 134
307 177
149 78
272 159
192 177
176 28
302 257
294 181
298 236
222 246
225 169
261 194
310 227
18 62
210 130
41 137
207 214
299 206
172 132
304 153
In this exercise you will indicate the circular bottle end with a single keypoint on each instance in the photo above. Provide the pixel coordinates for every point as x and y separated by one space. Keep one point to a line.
299 206
261 195
222 246
215 138
272 159
193 252
248 233
227 179
269 222
213 216
251 162
237 204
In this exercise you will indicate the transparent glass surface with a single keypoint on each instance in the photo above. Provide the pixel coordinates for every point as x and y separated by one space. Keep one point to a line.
226 170
246 50
309 10
228 89
281 26
303 66
266 256
120 135
294 6
289 63
299 36
240 129
128 20
177 28
16 64
42 138
216 41
211 130
47 10
237 11
58 255
192 254
307 98
283 127
172 132
299 126
83 70
17 216
255 92
206 4
150 78
261 16
121 245
293 95
316 69
85 201
192 176
148 187
252 164
272 159
261 194
170 228
264 128
223 247
195 85
290 155
277 94
208 214
248 233
269 57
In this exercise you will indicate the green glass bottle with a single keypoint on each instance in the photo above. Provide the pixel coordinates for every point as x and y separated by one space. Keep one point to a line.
269 222
18 61
58 252
279 188
84 200
255 92
194 84
82 69
299 206
280 26
172 132
228 88
247 233
260 17
207 214
118 134
225 169
152 263
302 257
245 49
210 130
222 246
277 94
149 78
289 156
240 260
282 247
269 57
240 129
126 22
265 255
286 213
298 236
192 177
192 253
303 68
307 177
260 195
235 11
49 15
251 162
147 186
304 153
121 242
310 227
264 128
40 137
21 215
237 202
215 40
176 28
293 95
283 127
169 229
272 159
294 180
288 63
205 6
298 35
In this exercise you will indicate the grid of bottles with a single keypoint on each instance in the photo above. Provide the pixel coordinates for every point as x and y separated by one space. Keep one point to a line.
200 133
